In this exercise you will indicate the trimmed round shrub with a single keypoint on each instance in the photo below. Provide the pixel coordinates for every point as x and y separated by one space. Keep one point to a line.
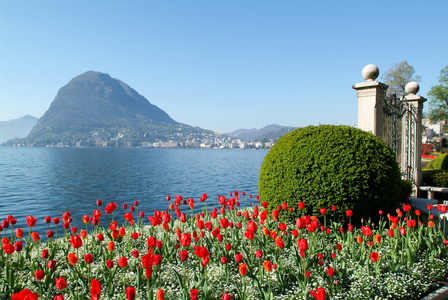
330 165
438 163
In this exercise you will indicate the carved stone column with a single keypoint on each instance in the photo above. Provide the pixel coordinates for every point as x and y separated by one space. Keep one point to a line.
370 101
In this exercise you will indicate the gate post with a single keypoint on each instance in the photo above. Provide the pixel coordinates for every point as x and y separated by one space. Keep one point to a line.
370 101
416 101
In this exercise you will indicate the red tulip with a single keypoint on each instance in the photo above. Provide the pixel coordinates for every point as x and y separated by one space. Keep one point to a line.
59 297
300 223
50 234
130 293
110 208
349 213
319 294
88 258
151 242
123 262
95 289
122 231
279 242
183 255
5 224
111 246
374 256
19 233
25 294
72 259
402 230
39 275
86 219
377 238
31 221
366 230
65 217
390 233
224 223
61 283
110 264
201 251
302 244
18 246
226 296
35 236
76 241
100 237
160 294
249 234
185 239
406 208
267 266
238 257
323 211
194 294
282 226
45 253
51 264
243 269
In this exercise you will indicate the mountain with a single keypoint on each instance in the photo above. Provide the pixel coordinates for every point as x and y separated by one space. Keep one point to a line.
16 128
96 106
268 132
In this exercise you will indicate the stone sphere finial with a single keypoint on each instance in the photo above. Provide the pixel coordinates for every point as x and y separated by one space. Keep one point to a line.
412 88
370 72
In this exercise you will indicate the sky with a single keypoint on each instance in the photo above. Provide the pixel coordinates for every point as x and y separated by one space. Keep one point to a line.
219 64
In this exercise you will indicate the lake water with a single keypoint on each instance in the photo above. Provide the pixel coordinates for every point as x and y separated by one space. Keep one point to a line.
49 181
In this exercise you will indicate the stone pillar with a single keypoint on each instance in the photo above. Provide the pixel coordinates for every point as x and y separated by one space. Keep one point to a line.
370 101
412 89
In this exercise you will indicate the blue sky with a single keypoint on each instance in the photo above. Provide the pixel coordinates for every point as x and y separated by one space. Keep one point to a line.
220 65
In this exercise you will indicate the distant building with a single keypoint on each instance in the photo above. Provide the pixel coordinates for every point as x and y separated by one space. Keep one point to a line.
169 145
432 130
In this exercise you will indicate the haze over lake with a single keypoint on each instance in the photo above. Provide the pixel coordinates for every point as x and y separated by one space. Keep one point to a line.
49 181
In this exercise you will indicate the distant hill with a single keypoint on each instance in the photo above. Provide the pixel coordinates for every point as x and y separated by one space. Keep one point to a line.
268 132
16 128
96 106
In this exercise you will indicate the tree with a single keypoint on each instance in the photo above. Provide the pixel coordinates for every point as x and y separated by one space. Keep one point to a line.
398 76
438 98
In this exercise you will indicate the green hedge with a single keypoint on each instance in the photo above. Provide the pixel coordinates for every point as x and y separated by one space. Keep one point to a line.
438 163
331 165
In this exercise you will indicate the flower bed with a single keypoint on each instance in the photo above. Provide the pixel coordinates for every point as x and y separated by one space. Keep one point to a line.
428 156
225 253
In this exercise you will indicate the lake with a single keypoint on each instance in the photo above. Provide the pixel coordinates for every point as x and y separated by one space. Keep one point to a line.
49 181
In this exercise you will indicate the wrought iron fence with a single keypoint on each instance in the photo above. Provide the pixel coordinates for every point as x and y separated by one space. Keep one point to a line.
399 128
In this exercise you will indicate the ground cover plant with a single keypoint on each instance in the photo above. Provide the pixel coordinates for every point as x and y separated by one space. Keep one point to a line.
225 252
